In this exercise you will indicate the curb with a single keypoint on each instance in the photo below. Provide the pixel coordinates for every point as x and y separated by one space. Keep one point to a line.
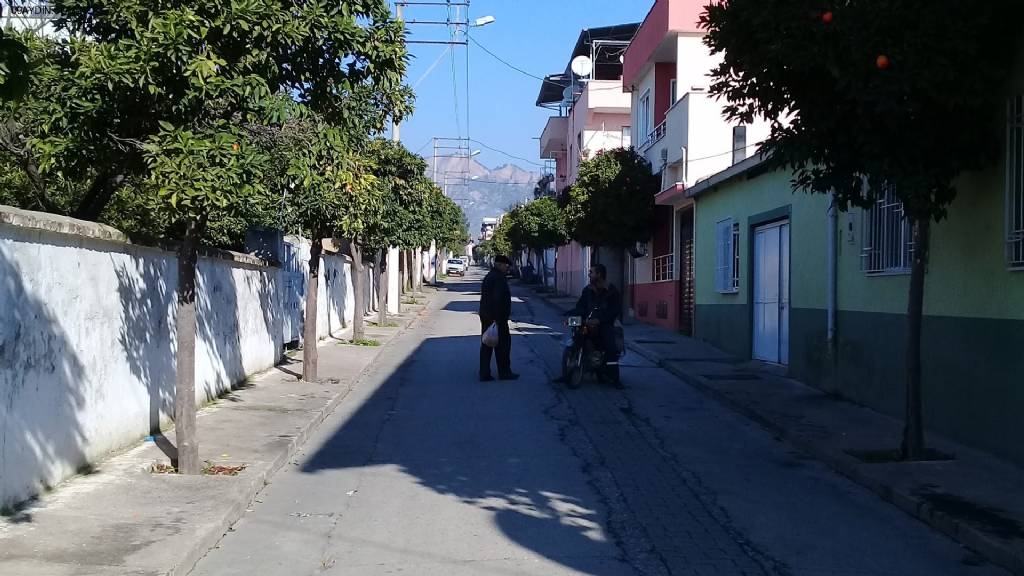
255 484
994 550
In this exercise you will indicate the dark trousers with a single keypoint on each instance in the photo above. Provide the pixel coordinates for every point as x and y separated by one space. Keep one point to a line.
610 350
503 352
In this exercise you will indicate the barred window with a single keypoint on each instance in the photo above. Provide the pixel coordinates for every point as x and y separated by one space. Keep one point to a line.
736 256
1015 183
727 274
887 238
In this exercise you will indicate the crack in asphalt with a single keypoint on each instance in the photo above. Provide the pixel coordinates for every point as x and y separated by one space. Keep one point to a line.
623 523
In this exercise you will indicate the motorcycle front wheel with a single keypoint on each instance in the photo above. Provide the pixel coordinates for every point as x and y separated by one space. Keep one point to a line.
572 367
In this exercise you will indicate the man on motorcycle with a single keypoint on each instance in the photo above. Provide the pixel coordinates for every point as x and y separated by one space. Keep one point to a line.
602 304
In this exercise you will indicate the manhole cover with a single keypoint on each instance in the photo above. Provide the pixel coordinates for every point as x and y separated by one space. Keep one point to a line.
732 376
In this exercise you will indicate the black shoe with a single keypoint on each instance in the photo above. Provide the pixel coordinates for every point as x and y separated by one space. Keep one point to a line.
487 378
509 376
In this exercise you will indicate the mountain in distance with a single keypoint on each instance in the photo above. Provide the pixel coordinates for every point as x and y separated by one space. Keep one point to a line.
490 194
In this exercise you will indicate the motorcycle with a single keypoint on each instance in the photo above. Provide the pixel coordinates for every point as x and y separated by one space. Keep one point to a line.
581 354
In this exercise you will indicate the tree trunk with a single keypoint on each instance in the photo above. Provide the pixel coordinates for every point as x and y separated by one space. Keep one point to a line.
623 304
913 430
310 358
544 268
382 289
98 196
407 278
359 293
185 323
417 273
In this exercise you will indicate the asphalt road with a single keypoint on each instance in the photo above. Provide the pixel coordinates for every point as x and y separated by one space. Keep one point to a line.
422 470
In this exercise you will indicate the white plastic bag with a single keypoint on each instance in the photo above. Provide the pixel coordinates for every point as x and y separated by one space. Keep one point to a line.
490 337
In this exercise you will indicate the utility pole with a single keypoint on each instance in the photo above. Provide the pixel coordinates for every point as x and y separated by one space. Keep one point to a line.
396 127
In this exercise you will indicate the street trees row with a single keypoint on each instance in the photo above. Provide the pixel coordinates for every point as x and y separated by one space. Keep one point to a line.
190 123
611 205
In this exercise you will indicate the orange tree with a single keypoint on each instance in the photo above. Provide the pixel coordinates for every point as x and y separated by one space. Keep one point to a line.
864 95
189 86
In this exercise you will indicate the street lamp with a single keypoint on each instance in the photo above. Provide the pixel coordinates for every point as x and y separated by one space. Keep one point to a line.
483 21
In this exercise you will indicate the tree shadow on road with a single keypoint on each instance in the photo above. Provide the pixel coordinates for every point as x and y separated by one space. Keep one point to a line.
493 446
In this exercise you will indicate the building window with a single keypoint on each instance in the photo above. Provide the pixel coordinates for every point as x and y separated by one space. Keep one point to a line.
1015 184
736 256
672 92
627 136
727 267
739 144
644 118
887 236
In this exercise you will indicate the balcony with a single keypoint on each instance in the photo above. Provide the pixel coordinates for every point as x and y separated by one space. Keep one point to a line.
553 139
664 268
606 97
657 135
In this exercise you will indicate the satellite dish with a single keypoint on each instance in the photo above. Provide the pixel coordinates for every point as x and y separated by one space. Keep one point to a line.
582 66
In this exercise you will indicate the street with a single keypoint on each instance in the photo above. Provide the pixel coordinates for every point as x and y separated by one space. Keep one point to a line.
423 470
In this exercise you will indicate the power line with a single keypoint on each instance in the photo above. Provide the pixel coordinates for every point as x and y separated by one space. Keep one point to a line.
432 66
425 144
513 156
524 72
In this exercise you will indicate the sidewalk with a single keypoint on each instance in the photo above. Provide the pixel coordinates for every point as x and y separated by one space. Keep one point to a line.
976 499
122 519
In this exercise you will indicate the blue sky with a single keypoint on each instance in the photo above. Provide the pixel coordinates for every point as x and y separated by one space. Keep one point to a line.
535 35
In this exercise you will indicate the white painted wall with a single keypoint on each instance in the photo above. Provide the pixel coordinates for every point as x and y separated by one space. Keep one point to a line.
87 343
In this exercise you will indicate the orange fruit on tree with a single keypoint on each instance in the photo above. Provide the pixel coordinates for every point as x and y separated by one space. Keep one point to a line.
827 17
882 62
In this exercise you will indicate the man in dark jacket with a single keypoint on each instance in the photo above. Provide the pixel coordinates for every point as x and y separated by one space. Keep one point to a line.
496 308
603 300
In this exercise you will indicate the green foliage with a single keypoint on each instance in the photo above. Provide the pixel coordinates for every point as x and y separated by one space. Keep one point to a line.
536 225
501 242
403 190
14 66
199 175
115 113
908 93
451 229
612 202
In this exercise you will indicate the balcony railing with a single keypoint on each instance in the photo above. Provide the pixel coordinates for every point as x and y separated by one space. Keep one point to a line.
664 268
654 137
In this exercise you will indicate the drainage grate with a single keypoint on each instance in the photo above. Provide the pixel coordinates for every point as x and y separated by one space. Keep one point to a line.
732 376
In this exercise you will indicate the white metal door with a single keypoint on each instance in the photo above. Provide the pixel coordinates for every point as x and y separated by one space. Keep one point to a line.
771 293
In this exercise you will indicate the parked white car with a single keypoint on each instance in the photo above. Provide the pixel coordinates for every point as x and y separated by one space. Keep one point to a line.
455 267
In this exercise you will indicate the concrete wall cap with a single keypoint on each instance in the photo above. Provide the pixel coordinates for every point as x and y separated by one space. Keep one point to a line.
58 224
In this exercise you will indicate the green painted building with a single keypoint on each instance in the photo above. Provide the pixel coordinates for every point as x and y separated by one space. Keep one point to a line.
765 255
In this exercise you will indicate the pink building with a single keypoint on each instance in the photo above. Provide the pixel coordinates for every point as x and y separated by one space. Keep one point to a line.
681 131
593 115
